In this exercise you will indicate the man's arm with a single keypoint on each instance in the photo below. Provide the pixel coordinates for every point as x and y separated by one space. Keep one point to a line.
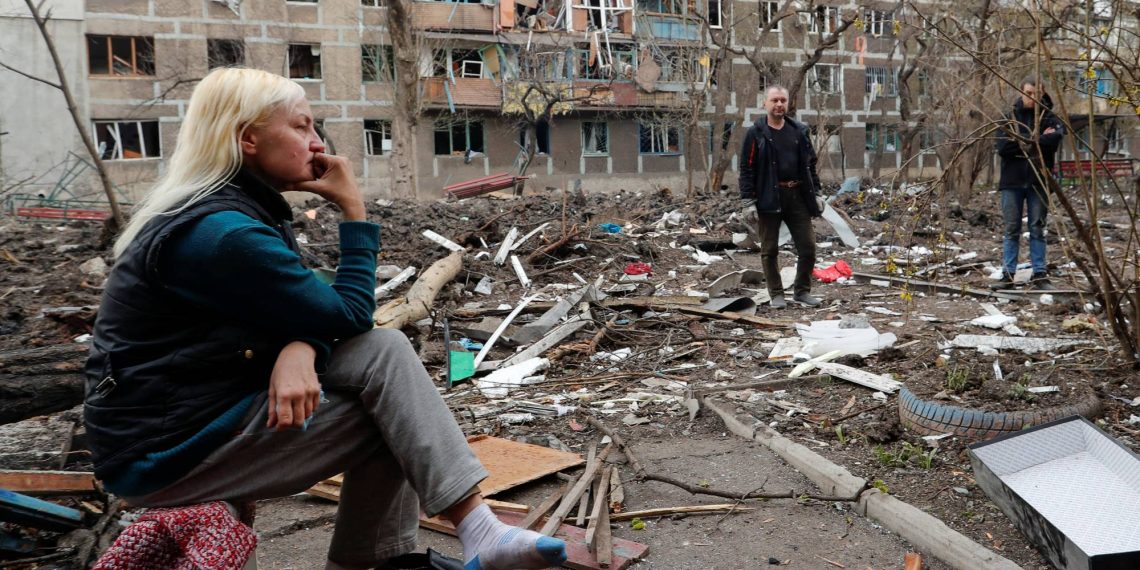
1007 147
749 152
812 160
1052 130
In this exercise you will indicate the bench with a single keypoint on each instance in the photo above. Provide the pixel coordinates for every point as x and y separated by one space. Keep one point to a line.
1112 167
69 214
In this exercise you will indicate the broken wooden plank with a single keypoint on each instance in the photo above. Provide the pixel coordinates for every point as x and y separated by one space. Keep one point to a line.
544 507
502 327
442 241
604 549
33 482
617 491
600 504
548 342
29 511
506 247
860 377
623 552
583 503
1028 345
734 317
571 498
520 272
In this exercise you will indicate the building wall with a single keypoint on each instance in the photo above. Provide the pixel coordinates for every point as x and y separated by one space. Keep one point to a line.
39 129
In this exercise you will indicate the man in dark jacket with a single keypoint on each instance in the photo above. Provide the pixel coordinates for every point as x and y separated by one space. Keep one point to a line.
778 173
1027 144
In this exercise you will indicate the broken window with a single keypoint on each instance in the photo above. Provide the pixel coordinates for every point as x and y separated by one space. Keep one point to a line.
125 140
543 66
595 138
825 77
770 14
377 63
825 138
458 137
878 134
825 19
542 136
877 22
225 53
714 16
457 63
120 56
659 138
377 137
304 61
881 81
661 6
613 63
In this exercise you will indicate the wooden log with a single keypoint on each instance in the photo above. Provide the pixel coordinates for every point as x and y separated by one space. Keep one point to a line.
39 381
416 303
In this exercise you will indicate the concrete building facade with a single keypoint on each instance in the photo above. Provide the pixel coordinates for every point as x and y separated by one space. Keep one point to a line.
630 70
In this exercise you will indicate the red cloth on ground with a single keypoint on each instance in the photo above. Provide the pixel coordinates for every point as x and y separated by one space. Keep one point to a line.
204 536
638 268
833 273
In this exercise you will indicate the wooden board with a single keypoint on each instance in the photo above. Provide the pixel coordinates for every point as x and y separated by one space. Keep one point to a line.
625 552
511 463
47 482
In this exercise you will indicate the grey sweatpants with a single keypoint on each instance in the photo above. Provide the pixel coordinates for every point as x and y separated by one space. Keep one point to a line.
385 427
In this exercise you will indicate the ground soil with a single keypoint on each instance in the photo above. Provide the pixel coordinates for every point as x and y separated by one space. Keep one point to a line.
42 271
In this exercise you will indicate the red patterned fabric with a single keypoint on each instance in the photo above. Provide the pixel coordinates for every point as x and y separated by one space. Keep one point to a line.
204 536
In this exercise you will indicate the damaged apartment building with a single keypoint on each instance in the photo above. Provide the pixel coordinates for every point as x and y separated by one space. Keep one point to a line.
632 94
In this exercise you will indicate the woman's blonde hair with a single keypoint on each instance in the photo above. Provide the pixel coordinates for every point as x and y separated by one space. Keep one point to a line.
223 105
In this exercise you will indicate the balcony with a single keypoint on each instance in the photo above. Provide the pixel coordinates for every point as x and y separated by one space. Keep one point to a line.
465 92
454 17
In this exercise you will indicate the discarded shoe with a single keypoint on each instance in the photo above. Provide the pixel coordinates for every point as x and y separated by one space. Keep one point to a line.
1040 282
1004 284
778 301
807 299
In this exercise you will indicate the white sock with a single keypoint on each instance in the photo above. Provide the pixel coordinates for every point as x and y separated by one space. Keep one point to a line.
490 544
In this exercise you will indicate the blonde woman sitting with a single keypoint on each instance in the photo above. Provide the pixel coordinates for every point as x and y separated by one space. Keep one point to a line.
213 345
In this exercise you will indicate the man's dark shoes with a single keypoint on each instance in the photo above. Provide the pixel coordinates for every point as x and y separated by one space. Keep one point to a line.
1006 283
1040 282
807 299
778 301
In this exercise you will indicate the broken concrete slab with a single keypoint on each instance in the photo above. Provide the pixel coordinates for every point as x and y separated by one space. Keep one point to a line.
1027 345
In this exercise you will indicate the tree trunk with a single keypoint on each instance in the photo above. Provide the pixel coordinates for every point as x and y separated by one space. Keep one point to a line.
40 381
406 106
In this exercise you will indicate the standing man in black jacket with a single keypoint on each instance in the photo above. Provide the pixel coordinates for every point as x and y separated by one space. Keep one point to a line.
1027 144
778 172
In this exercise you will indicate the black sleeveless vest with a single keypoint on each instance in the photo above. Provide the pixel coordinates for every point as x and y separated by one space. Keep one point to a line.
161 369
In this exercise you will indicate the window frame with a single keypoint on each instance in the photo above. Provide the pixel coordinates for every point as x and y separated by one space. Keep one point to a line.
109 54
879 131
829 15
719 14
767 11
835 78
318 67
385 135
877 19
466 126
656 129
117 151
593 134
890 81
385 55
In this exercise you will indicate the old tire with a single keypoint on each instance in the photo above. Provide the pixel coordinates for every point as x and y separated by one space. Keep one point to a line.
932 418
